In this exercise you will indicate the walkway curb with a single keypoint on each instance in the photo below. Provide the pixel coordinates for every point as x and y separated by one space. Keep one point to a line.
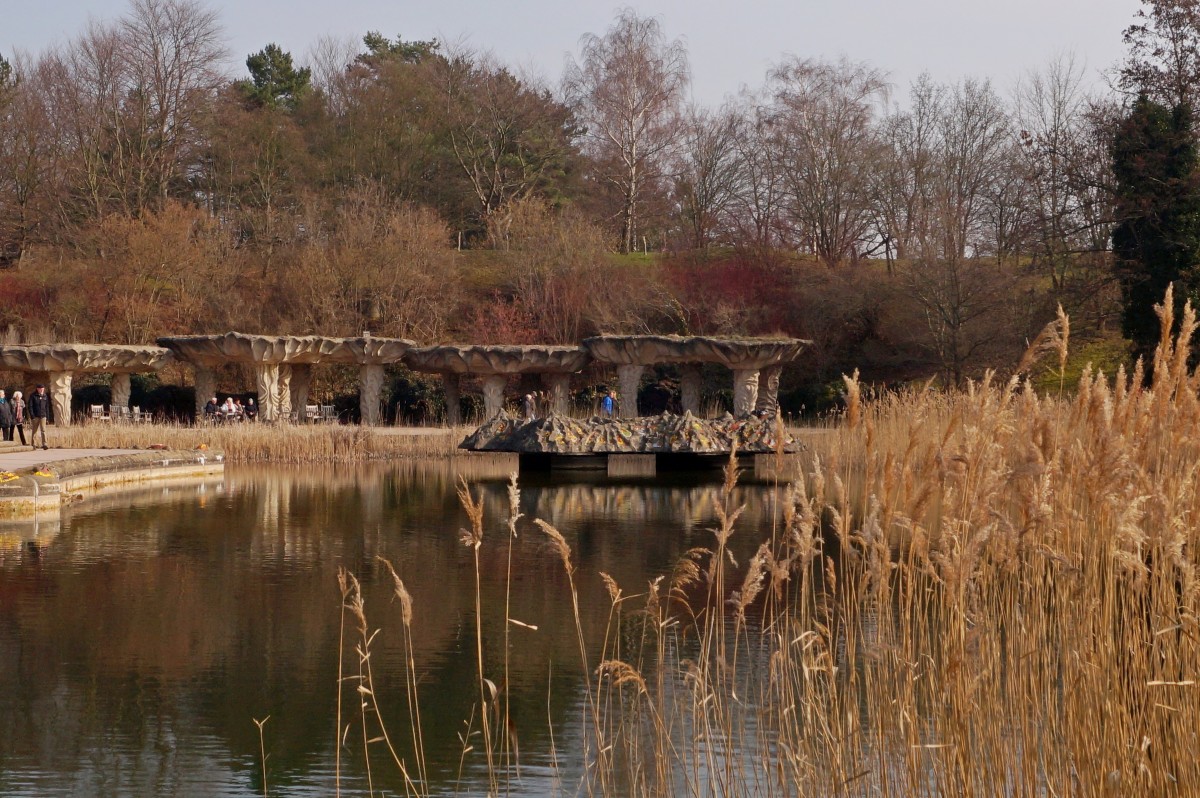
46 487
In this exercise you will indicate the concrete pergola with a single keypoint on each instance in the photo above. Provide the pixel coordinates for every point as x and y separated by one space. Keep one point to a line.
57 364
495 364
756 364
283 366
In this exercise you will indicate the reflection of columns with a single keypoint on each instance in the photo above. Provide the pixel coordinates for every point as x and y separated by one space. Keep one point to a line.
266 377
768 390
122 387
745 391
453 399
370 392
206 388
558 388
629 377
299 384
283 393
60 397
493 394
689 388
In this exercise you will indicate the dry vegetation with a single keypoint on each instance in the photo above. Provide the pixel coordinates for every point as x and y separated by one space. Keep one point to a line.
982 593
268 443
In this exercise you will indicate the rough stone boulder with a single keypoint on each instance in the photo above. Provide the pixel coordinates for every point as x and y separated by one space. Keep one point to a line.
668 433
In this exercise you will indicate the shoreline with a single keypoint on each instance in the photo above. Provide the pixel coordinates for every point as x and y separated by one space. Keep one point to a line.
48 486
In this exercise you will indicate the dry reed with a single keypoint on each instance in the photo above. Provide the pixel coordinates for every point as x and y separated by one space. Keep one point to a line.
983 592
268 443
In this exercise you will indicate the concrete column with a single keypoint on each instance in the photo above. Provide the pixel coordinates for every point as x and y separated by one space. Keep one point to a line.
206 388
121 389
558 392
493 395
689 388
370 392
283 393
59 385
299 384
768 390
629 377
745 391
453 399
266 378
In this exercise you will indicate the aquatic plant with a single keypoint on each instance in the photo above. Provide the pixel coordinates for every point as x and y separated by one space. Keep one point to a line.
984 592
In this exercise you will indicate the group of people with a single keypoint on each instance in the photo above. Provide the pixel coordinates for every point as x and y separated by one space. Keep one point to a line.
536 404
15 411
230 410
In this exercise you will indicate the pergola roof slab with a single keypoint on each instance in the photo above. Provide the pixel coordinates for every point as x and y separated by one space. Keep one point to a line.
735 353
218 350
113 358
484 360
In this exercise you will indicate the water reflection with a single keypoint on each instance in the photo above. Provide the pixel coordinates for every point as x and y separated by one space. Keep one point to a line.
140 638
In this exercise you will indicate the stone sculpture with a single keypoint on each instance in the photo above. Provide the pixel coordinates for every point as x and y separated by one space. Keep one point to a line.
667 433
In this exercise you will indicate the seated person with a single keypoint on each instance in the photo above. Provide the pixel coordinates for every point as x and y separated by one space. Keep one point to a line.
229 409
251 409
211 409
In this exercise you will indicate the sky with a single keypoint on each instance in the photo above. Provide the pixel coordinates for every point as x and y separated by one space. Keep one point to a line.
731 44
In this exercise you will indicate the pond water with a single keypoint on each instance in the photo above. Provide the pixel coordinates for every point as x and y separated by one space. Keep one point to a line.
143 635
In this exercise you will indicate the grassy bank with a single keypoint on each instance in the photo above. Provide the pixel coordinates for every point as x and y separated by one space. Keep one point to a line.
989 592
269 443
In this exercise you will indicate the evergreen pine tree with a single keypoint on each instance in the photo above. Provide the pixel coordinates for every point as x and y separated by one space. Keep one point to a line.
1157 241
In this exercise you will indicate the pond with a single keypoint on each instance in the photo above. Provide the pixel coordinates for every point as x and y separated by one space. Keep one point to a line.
143 636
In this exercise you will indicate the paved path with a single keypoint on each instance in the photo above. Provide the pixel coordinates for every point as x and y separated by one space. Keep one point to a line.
13 459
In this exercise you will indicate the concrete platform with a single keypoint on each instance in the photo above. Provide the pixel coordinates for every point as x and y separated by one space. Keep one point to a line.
25 457
33 483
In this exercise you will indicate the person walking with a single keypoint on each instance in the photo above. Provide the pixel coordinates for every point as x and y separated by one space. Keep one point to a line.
8 418
39 412
18 403
608 404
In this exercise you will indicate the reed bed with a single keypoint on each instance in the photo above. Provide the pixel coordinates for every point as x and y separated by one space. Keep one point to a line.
988 592
269 443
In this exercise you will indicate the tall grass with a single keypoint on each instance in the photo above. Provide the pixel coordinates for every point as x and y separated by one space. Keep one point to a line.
267 443
987 592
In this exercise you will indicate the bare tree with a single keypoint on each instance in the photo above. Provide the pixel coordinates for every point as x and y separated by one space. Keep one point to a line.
27 160
974 137
628 91
757 202
509 136
1164 52
1063 170
823 114
708 171
968 308
126 103
171 51
902 183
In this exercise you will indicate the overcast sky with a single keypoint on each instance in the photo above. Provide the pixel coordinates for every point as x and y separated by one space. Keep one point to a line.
731 44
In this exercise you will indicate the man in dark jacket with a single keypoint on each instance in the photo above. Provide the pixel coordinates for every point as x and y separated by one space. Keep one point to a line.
8 417
39 414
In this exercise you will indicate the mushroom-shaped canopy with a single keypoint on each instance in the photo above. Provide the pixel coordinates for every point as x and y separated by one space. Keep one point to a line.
370 350
498 359
736 353
234 347
112 358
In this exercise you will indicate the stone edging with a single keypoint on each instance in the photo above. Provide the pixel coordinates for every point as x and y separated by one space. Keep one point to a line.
49 486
